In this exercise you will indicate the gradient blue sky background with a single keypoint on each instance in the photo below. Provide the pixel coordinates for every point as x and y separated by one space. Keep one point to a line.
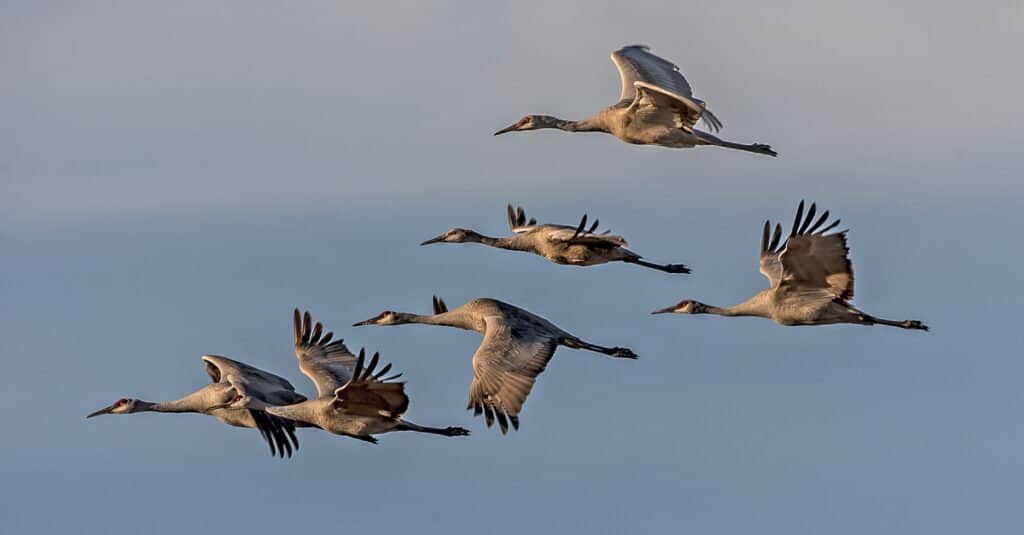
176 177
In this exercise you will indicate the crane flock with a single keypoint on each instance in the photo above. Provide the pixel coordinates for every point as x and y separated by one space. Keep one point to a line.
810 276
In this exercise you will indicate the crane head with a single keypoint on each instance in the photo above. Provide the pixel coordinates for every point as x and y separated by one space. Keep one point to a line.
686 306
121 406
530 122
455 235
387 317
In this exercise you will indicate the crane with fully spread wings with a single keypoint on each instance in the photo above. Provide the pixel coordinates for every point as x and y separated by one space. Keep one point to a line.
516 348
562 244
810 276
656 107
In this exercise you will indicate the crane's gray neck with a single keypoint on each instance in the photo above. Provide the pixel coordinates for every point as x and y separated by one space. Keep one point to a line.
453 318
590 124
475 237
755 306
185 404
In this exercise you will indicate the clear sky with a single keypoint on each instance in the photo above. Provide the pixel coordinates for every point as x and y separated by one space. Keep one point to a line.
176 177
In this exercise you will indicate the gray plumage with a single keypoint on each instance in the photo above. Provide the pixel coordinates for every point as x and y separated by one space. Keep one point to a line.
237 396
516 348
656 107
561 244
810 276
355 398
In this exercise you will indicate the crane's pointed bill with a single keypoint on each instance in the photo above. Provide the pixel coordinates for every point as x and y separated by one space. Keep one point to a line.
434 240
104 410
371 321
511 128
666 310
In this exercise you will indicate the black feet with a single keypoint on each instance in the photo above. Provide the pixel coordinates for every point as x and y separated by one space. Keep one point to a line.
676 268
455 432
914 324
623 353
764 149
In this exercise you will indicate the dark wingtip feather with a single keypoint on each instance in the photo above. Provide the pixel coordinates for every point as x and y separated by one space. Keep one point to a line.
764 236
796 220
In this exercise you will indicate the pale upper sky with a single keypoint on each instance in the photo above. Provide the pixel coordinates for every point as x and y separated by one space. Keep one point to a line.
176 177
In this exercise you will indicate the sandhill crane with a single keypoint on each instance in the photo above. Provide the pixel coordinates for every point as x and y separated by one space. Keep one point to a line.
656 107
811 279
561 244
246 387
354 399
516 348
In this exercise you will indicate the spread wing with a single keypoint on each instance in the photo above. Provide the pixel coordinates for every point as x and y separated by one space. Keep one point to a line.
369 393
328 364
517 220
505 367
563 233
261 388
666 88
810 259
581 235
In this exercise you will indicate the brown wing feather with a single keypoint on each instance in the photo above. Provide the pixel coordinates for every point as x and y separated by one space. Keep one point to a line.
814 259
365 395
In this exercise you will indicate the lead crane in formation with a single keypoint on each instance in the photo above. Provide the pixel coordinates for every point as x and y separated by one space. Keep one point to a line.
516 348
561 244
354 399
233 382
656 107
811 279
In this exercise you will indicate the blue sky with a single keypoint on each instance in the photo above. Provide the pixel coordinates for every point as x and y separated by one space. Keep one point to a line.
176 178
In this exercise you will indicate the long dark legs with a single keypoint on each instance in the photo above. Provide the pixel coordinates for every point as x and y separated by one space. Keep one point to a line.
667 268
867 319
445 431
617 352
757 148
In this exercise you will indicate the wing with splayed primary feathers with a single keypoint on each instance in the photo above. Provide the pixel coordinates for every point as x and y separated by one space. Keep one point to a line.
369 393
505 366
329 364
653 83
810 258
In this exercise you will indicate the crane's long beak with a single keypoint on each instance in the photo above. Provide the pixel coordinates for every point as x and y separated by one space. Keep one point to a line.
105 410
507 129
365 322
434 240
666 310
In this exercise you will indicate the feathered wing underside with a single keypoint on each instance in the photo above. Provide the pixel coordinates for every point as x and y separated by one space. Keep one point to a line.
636 63
329 364
640 69
657 106
369 393
218 368
264 388
810 258
505 366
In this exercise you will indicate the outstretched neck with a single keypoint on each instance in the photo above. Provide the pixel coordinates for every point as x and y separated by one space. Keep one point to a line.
447 319
185 404
590 124
755 306
501 243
